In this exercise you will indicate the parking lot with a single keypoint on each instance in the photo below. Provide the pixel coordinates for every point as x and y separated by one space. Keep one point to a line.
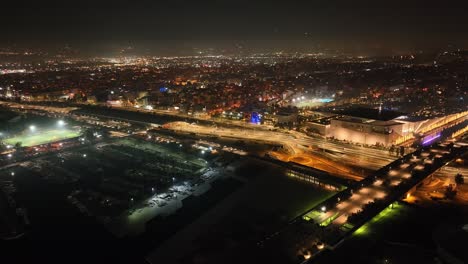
124 182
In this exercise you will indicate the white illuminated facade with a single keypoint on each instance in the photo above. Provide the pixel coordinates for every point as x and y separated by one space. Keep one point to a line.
366 131
387 133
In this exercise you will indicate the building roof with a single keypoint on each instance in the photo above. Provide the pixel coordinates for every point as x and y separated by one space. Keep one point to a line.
385 123
369 113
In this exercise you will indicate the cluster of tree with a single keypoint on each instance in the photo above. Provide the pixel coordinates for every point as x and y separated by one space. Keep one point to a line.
459 178
368 210
3 146
450 192
397 151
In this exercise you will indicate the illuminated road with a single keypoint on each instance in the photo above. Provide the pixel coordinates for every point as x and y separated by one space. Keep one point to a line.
378 190
346 160
332 215
341 153
435 186
318 162
50 109
334 157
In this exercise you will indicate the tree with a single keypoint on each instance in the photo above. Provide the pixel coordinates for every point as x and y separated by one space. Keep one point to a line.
459 178
392 150
450 192
402 151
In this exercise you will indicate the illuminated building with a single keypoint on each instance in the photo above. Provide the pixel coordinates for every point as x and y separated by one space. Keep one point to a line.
367 126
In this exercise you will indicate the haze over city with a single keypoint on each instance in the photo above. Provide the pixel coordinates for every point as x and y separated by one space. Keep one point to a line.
175 27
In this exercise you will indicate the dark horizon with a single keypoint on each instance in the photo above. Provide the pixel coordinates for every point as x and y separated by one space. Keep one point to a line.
180 26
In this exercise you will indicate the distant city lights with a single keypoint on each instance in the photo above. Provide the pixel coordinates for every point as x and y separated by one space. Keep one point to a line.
314 100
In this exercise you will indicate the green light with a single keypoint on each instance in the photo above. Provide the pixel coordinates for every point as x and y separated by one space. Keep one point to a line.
363 230
389 212
43 137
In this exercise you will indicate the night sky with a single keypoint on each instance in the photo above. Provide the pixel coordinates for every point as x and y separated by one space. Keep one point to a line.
183 24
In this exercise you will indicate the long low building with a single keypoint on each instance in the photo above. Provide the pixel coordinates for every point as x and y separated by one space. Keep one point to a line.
386 128
365 131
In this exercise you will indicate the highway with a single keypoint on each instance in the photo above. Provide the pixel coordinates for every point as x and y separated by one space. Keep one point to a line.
334 157
351 161
49 109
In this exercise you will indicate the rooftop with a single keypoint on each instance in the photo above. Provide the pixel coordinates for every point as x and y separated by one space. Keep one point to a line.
369 113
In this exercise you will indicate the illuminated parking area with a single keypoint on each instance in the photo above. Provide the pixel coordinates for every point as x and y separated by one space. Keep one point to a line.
169 175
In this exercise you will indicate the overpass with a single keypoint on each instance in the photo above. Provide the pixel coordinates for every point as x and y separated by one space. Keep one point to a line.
332 221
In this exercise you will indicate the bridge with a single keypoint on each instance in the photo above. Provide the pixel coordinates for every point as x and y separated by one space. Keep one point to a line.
328 224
